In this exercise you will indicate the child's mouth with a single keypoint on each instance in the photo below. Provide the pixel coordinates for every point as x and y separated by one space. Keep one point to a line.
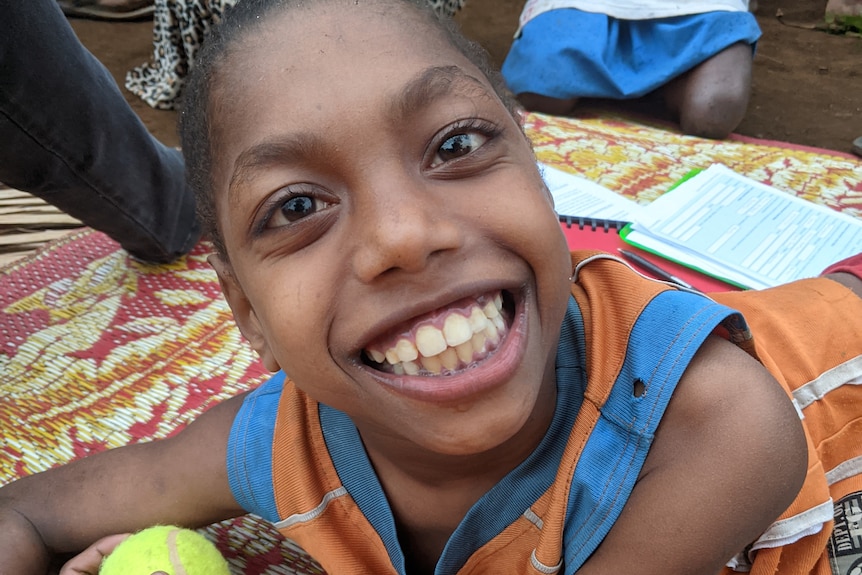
447 340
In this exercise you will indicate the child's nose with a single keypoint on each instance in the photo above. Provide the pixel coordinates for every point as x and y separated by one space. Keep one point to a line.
402 228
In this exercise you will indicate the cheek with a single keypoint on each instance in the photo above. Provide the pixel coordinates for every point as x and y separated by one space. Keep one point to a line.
299 347
535 228
554 284
550 259
293 312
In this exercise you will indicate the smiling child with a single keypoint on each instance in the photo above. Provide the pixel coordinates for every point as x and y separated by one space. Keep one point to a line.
461 394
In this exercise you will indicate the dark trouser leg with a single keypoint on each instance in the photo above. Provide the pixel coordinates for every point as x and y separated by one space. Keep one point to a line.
68 136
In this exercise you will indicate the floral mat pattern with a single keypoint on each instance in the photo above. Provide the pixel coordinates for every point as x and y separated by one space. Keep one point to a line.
98 351
640 160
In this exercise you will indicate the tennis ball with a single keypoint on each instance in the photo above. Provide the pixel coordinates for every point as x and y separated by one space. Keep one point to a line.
166 548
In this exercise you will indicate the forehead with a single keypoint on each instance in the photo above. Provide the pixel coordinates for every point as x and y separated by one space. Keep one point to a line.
324 56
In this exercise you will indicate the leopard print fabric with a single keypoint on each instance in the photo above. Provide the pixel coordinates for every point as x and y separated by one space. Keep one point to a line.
179 27
446 7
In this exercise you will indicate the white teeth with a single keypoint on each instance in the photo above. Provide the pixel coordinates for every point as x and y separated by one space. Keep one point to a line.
392 356
456 329
478 343
478 321
433 364
492 334
449 358
490 310
430 340
465 351
406 351
461 341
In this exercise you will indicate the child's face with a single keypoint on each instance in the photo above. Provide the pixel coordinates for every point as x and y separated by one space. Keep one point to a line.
375 196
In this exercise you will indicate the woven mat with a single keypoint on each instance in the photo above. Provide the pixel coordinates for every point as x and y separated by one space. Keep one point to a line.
27 223
98 351
640 159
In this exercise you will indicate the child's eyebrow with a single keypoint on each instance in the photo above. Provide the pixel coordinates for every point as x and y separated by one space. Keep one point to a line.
295 146
431 84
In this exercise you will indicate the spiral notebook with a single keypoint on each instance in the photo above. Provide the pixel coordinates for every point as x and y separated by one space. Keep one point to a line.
609 213
604 235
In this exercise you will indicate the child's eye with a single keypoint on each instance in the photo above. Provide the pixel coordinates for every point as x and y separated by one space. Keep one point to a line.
459 145
285 211
462 140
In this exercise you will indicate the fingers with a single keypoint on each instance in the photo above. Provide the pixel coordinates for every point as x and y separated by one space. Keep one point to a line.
89 560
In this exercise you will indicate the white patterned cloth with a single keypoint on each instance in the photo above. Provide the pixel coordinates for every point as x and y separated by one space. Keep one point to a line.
633 9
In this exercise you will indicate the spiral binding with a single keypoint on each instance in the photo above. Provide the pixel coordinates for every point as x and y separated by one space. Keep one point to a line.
593 223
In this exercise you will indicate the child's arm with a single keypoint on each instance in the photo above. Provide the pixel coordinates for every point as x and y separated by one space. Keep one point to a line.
729 457
847 272
850 281
182 480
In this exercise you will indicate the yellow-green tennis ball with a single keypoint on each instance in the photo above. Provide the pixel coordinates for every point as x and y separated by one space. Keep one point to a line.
165 548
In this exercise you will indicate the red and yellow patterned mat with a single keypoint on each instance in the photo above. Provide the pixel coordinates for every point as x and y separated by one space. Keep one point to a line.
98 351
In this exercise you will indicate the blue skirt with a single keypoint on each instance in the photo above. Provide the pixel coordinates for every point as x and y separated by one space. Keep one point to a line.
568 53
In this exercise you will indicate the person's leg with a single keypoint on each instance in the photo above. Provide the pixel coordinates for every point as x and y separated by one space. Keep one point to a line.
710 100
68 136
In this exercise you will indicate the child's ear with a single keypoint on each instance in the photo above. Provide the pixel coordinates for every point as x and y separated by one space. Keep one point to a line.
243 313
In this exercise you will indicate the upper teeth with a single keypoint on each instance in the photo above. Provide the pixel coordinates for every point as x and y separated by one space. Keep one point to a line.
466 336
429 341
456 330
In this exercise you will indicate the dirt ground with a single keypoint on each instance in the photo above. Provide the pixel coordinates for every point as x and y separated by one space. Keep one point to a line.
807 86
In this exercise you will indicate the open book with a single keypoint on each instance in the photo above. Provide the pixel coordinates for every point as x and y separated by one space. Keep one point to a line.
739 230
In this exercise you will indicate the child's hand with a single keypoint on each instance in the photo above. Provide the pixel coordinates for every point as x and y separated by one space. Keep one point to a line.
88 561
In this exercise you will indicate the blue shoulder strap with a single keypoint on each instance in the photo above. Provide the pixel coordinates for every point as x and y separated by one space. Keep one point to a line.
661 345
249 449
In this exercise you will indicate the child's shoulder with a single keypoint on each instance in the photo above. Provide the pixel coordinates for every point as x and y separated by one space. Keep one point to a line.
727 429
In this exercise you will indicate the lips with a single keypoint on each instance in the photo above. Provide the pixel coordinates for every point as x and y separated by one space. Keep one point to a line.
445 341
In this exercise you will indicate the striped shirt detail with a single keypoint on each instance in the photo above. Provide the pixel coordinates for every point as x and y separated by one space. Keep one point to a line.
314 513
530 516
541 567
848 373
787 531
846 470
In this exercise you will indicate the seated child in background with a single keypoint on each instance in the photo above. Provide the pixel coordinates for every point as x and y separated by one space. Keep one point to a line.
697 53
464 395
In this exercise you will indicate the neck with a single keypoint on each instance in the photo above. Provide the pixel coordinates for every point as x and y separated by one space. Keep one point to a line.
395 457
430 493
